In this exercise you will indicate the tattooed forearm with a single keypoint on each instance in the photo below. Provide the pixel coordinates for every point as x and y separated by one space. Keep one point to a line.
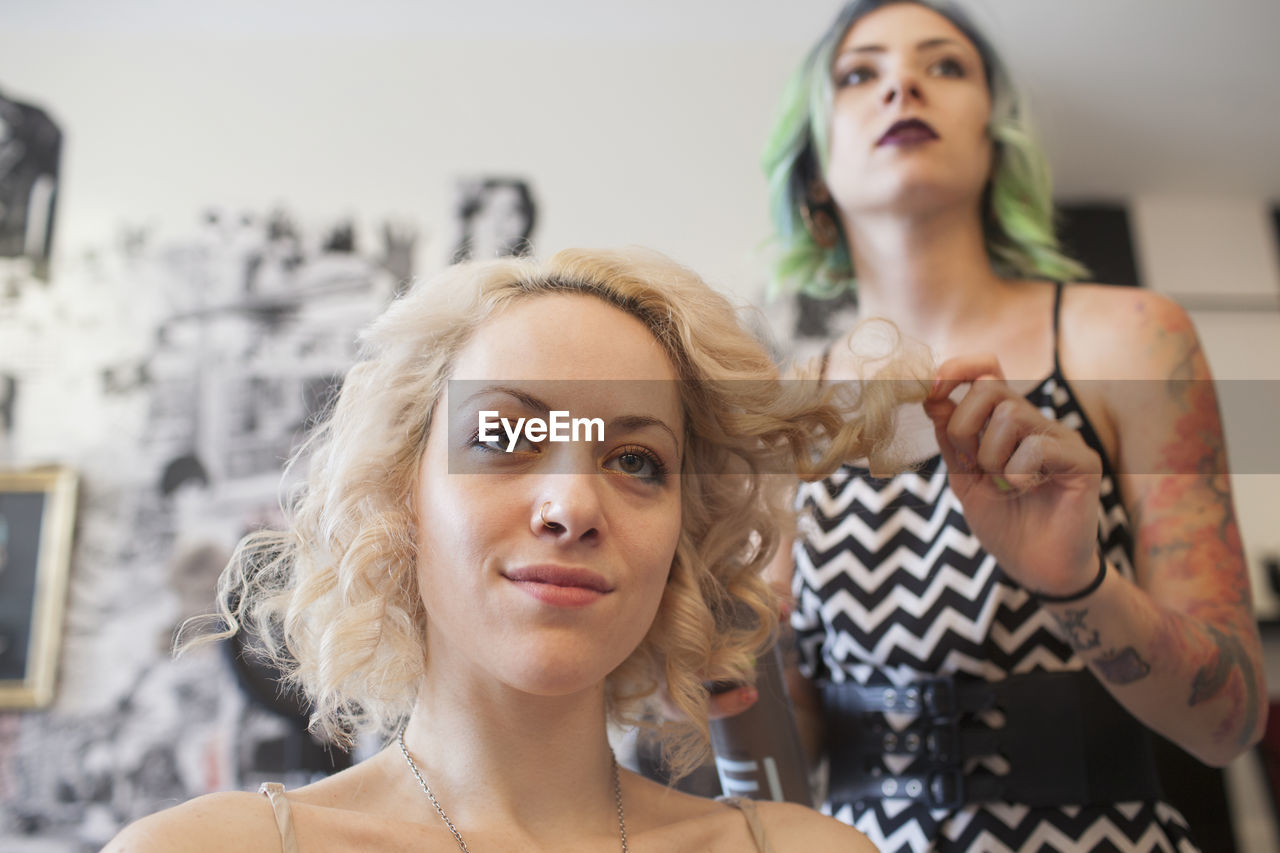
1211 680
1081 637
1122 666
1168 550
1212 677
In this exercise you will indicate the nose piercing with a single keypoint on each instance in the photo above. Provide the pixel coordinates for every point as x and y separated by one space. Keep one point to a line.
542 514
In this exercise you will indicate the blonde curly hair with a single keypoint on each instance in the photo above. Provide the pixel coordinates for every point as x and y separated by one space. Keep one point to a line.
334 598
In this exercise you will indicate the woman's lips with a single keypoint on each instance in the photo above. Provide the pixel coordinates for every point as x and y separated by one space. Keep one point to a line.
560 586
909 131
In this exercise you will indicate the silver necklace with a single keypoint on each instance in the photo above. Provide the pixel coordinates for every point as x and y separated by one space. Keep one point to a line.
457 836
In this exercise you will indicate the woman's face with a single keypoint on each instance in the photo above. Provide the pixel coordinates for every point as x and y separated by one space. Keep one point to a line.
543 566
909 118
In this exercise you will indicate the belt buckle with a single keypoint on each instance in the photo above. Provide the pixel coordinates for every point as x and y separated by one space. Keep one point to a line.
945 789
938 696
942 741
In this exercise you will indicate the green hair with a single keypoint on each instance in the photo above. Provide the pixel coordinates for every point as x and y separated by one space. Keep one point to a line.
1018 213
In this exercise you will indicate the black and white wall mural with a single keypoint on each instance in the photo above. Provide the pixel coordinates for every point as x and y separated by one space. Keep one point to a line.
30 148
176 371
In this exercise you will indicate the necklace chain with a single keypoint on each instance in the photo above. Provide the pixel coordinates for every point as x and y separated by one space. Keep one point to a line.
457 836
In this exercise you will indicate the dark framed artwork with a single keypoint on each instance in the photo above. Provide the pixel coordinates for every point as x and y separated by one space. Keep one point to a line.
37 518
1100 235
30 150
496 217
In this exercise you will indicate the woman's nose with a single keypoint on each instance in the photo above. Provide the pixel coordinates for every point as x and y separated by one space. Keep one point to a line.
568 509
902 88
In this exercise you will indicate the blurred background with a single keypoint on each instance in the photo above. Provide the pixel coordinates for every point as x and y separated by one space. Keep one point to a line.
201 204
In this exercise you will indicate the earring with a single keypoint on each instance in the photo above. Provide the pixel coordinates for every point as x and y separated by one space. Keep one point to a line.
816 211
821 225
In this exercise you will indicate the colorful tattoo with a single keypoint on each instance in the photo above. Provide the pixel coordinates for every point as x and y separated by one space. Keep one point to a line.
1212 679
1188 530
1191 559
1192 534
1122 666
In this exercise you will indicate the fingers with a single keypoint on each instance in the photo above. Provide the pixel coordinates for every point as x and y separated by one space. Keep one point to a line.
955 372
993 430
732 702
1025 465
940 412
1052 452
958 426
988 405
993 442
961 427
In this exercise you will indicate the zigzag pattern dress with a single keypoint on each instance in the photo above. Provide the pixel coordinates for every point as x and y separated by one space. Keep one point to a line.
891 587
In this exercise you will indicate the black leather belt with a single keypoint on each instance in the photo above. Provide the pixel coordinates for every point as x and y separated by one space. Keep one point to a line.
1066 739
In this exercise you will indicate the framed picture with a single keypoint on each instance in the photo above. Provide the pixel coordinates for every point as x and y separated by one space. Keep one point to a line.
37 517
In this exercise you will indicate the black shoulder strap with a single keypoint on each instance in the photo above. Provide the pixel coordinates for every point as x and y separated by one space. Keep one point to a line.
1057 321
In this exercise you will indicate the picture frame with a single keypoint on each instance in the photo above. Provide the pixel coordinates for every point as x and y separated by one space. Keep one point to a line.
37 523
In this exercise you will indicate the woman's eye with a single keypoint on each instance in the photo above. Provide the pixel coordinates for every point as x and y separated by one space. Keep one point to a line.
856 76
638 463
502 444
947 68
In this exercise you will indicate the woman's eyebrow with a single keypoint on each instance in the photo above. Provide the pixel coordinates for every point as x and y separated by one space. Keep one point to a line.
523 397
634 422
927 44
623 422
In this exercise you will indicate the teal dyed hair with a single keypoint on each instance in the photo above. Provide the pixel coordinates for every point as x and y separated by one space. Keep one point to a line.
1018 214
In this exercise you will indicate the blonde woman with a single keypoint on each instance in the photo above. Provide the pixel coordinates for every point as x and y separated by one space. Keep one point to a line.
488 598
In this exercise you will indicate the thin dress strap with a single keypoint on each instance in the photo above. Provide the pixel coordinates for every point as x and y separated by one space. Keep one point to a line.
1057 322
748 809
284 816
822 365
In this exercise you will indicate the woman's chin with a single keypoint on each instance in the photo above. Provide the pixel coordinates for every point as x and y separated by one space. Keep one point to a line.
550 675
913 190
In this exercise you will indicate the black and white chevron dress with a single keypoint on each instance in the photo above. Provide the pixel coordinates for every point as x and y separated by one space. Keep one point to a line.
892 587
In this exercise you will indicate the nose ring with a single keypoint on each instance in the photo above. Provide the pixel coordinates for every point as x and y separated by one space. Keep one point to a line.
542 514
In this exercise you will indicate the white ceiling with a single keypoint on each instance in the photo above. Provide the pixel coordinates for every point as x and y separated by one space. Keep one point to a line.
1133 96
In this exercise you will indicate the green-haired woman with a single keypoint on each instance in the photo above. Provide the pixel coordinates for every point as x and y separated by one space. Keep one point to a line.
994 635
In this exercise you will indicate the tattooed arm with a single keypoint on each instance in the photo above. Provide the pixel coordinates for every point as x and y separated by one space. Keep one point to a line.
1197 684
1179 648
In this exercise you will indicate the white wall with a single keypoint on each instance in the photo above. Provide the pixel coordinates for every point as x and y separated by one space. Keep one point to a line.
624 142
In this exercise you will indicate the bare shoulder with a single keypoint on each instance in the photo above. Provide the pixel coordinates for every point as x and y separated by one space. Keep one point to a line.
793 827
1115 306
667 819
1124 333
233 820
